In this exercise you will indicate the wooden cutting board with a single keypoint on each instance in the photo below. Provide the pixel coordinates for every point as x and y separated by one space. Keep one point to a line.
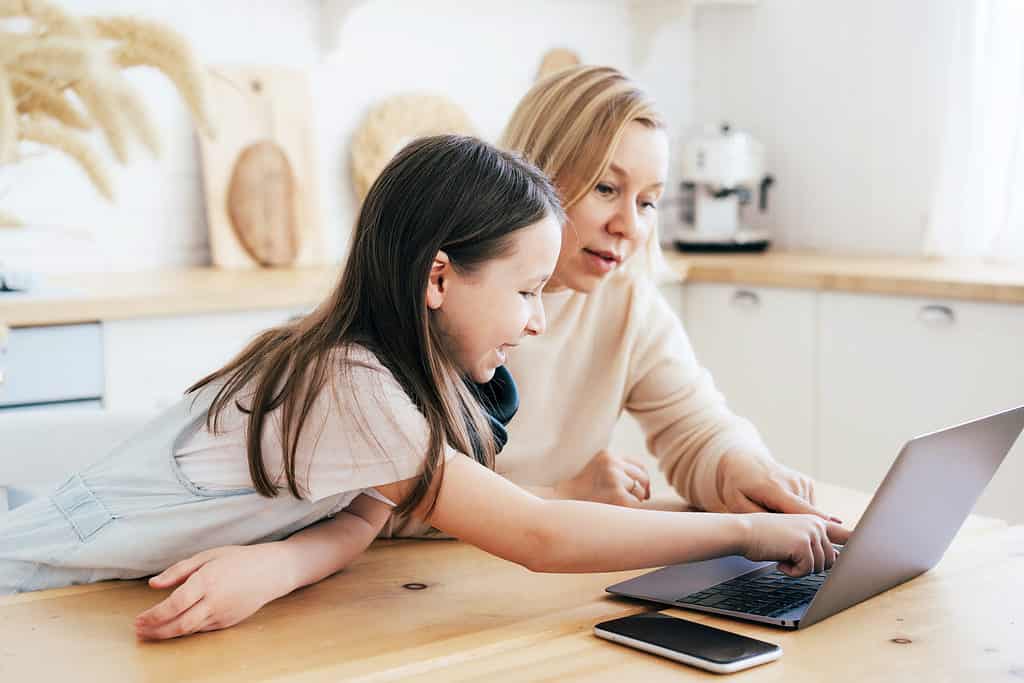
259 174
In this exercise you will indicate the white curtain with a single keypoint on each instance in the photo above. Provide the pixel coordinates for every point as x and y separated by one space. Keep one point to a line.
978 207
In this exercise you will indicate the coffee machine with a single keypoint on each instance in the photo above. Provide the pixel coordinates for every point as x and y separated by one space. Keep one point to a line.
721 170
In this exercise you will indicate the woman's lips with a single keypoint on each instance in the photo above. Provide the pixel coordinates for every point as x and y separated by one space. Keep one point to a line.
602 261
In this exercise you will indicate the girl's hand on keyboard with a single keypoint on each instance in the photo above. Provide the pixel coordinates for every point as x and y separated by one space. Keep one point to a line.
801 544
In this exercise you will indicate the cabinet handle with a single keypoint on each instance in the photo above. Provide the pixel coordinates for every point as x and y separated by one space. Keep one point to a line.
744 298
937 316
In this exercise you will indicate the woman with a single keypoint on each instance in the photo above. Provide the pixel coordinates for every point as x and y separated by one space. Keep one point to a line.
612 341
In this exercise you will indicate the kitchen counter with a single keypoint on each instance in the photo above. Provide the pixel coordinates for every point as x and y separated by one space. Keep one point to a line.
481 618
113 296
902 276
188 291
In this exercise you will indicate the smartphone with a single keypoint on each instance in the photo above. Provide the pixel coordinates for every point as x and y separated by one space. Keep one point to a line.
688 642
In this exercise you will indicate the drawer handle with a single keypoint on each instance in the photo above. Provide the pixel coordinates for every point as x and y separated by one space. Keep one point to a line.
744 298
937 316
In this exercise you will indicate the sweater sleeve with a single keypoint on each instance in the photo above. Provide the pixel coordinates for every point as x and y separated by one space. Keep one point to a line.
685 418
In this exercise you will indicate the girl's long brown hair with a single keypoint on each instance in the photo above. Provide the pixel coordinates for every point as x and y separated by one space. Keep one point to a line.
447 192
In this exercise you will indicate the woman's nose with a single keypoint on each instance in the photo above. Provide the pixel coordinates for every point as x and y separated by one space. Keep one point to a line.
626 223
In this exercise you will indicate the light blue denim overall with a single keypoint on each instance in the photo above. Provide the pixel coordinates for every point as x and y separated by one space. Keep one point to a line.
133 513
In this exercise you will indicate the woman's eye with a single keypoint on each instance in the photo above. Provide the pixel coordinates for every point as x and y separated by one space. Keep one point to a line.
605 189
649 205
527 295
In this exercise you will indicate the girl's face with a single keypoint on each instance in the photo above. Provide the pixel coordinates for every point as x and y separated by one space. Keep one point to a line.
617 215
483 313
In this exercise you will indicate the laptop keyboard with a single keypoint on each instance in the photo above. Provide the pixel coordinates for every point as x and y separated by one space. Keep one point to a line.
767 595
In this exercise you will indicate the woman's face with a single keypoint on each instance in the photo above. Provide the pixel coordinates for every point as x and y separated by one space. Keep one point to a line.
483 313
616 216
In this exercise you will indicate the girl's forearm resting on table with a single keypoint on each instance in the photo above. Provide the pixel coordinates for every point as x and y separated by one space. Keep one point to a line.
323 549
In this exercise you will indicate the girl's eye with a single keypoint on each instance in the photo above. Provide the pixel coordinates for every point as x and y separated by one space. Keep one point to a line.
527 295
605 189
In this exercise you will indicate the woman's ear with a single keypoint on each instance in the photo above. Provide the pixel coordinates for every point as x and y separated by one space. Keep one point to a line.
437 282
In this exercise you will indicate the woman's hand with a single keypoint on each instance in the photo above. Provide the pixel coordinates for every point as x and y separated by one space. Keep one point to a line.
216 589
609 479
801 544
750 484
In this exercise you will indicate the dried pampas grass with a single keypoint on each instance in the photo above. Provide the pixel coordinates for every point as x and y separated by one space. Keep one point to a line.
42 97
54 135
148 43
45 13
61 76
8 120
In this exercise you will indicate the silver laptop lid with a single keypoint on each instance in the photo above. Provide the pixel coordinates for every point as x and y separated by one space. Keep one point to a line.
918 509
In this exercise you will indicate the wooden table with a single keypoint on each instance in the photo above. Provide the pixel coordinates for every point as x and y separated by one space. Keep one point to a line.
480 618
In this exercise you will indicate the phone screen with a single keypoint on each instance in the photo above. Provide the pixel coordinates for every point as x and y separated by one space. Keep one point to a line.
688 637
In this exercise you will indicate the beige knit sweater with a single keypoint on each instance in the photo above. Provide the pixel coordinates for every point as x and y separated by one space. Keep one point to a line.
619 347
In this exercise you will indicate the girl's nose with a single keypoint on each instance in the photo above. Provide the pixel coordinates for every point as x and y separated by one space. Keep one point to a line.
537 322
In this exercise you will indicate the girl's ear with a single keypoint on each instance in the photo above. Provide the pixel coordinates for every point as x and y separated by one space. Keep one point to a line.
437 282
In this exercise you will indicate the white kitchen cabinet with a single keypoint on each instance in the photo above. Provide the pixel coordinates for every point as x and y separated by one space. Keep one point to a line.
51 365
151 361
759 344
891 368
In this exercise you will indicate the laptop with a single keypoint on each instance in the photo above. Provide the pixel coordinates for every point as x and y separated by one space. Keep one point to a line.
911 520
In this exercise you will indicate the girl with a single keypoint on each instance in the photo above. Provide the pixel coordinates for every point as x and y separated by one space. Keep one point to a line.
360 410
342 414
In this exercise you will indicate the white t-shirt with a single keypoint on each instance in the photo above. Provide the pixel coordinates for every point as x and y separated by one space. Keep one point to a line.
362 431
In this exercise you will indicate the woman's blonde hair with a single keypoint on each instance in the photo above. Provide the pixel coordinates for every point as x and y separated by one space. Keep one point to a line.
570 123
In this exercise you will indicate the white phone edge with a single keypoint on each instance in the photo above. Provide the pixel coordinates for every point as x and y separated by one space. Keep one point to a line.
698 662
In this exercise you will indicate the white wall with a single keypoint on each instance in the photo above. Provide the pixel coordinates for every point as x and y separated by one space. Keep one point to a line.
848 98
483 55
